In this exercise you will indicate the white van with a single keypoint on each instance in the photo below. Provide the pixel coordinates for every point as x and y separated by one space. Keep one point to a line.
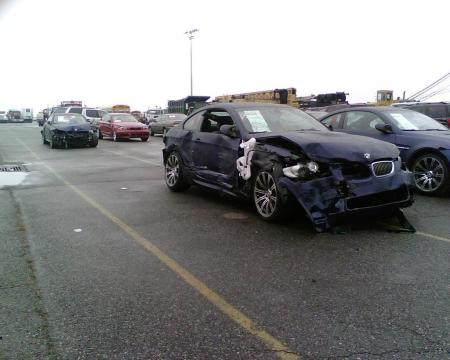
27 114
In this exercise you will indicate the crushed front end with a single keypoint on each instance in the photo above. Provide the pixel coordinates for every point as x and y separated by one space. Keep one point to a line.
73 138
346 189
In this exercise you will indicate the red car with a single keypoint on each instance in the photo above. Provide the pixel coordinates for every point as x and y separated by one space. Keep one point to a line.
122 126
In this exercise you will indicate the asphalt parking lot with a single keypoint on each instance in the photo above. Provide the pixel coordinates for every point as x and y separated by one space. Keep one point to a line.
101 261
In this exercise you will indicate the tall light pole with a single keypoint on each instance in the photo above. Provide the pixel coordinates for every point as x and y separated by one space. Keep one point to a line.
191 37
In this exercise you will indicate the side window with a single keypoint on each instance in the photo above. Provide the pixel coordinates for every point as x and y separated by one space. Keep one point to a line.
436 111
194 122
333 121
362 121
213 120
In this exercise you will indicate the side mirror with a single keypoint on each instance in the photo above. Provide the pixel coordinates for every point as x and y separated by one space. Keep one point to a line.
384 128
228 130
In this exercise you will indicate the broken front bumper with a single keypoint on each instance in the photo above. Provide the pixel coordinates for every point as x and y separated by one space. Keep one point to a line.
330 200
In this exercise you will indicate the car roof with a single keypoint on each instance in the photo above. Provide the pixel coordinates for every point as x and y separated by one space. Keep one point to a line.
373 109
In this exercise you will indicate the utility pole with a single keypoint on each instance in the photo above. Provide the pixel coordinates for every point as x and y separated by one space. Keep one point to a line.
191 37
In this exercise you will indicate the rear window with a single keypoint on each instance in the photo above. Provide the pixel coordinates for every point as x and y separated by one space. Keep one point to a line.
437 111
75 110
93 113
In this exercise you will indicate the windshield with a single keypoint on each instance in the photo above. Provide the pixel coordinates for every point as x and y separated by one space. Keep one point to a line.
278 119
123 118
408 120
69 119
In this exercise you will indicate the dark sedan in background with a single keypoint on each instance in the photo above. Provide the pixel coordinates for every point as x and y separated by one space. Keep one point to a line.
278 156
165 122
66 130
423 142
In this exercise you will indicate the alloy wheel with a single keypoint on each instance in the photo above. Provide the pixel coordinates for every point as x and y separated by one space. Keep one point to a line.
265 194
172 170
428 173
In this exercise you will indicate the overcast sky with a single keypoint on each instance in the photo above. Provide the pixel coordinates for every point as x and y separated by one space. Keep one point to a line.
135 52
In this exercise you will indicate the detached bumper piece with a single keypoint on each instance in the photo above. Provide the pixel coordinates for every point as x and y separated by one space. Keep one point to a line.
335 199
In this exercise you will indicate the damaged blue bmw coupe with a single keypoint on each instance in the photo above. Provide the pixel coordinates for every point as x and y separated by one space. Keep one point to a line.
277 156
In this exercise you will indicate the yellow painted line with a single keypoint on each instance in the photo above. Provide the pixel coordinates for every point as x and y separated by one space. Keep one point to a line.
133 157
420 233
224 306
431 236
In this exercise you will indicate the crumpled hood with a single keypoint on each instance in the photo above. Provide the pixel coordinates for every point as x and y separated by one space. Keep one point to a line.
333 146
73 127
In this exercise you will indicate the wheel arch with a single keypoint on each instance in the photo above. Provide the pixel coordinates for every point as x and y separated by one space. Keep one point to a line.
422 151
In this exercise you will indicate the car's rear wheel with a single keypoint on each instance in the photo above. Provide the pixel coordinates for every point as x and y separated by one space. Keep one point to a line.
174 173
431 174
267 197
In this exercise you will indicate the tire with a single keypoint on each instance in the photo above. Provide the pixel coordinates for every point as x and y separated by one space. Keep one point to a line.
144 139
173 173
431 174
93 143
151 132
266 197
114 137
51 142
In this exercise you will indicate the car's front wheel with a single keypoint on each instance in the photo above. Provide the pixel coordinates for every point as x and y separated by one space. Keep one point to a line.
93 142
52 142
266 196
431 174
174 173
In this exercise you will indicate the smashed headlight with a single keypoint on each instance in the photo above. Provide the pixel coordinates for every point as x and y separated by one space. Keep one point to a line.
301 171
